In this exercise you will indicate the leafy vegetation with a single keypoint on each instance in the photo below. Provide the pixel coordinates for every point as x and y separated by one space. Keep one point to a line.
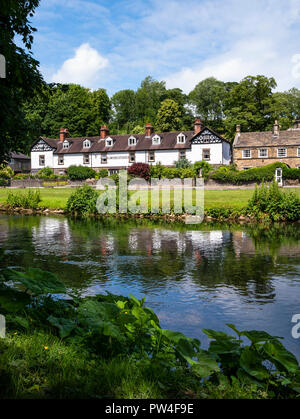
83 201
30 199
54 344
80 173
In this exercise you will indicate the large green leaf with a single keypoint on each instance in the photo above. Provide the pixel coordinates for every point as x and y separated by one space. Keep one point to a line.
206 364
65 326
251 362
36 280
257 336
277 353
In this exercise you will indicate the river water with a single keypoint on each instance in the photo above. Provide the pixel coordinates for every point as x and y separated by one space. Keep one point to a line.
193 277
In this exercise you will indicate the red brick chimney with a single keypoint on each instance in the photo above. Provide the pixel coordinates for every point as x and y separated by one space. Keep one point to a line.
104 132
63 134
149 130
198 126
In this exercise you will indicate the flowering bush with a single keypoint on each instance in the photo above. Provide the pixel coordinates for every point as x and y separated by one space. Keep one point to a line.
140 170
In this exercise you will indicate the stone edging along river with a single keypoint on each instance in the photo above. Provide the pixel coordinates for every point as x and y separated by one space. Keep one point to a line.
171 217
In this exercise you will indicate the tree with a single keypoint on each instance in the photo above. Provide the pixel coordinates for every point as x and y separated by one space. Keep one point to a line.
124 107
286 107
250 104
23 78
209 97
168 116
100 111
148 99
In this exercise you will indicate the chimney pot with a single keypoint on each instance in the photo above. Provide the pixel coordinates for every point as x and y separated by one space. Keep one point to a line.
149 130
198 126
63 134
276 129
104 132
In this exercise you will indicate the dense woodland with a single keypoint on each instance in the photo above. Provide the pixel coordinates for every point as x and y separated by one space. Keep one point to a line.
30 107
250 102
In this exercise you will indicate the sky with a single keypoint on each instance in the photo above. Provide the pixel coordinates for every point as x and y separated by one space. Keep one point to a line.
115 44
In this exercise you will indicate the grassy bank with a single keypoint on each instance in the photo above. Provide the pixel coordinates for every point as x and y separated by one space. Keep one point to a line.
57 198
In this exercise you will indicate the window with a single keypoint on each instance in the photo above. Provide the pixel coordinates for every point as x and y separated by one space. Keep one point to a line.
113 171
60 159
262 153
66 145
206 154
246 154
132 157
156 140
298 152
151 156
103 158
132 141
182 154
109 142
247 168
42 160
181 139
281 152
86 159
86 144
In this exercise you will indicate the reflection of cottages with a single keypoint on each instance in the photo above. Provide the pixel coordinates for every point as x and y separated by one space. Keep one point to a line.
175 241
52 236
245 245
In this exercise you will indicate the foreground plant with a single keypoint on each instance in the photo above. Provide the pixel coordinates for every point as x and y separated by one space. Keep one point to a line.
38 307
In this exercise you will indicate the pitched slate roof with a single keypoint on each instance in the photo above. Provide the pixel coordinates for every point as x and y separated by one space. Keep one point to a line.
168 142
267 139
19 156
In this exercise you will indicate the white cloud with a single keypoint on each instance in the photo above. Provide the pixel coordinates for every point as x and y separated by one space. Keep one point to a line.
84 68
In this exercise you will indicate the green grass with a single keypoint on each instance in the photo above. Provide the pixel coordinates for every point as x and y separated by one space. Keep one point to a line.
238 198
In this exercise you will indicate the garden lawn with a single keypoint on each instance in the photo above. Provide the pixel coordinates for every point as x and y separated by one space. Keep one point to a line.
238 198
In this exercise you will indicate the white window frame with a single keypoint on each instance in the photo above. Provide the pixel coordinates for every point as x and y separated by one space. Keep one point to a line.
260 156
109 142
86 144
66 145
181 138
281 156
250 154
298 152
156 140
86 156
132 141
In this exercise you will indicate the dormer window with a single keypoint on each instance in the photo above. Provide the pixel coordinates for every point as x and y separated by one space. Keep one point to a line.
156 140
86 144
109 142
66 145
132 141
181 139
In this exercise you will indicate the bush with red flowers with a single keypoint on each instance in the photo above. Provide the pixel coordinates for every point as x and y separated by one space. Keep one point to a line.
140 170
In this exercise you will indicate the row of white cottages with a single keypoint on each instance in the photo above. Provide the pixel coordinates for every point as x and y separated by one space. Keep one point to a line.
117 152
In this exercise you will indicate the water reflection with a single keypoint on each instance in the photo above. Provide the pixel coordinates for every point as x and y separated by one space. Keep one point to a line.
194 277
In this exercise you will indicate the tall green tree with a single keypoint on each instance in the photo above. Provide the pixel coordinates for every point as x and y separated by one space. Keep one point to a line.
124 107
250 104
168 116
23 78
209 99
148 99
100 111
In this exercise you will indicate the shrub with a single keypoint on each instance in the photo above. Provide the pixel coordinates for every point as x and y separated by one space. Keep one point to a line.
6 172
140 170
204 166
83 201
102 173
46 172
274 203
4 182
29 199
81 173
183 164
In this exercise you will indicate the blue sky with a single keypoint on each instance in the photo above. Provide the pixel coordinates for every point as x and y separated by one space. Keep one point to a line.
115 44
